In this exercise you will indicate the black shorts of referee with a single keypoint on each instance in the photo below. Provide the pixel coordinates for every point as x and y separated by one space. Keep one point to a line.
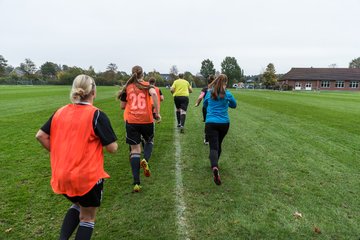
181 102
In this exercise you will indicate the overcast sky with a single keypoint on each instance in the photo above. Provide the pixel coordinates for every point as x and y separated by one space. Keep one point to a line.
157 34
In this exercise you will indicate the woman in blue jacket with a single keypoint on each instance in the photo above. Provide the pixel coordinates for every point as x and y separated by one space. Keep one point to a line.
217 123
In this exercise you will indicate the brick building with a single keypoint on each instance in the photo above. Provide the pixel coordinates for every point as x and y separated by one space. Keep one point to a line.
322 79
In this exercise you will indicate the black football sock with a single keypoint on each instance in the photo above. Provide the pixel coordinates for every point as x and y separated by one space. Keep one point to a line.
70 223
182 119
135 167
148 147
84 231
178 117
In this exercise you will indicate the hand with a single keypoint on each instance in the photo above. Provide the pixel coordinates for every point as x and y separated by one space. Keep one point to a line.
157 118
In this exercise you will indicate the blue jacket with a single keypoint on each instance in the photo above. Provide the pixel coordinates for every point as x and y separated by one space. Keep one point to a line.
217 110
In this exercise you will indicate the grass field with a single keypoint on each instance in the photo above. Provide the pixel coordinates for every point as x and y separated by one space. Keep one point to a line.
286 152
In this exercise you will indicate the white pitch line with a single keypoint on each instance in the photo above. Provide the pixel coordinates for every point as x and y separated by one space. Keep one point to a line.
180 202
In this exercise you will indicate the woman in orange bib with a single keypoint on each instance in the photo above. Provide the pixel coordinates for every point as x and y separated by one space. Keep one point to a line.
75 136
135 99
160 96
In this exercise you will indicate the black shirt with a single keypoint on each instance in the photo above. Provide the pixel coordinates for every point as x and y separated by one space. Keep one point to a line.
205 90
123 97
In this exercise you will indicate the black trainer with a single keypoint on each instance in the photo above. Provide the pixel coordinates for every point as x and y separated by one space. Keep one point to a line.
182 129
217 178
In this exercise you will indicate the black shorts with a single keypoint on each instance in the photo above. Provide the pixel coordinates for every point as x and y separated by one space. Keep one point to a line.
134 132
181 102
92 198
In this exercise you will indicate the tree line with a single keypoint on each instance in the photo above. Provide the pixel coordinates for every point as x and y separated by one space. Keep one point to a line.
52 73
57 74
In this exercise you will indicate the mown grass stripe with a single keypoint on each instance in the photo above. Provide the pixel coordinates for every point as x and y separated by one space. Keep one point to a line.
180 202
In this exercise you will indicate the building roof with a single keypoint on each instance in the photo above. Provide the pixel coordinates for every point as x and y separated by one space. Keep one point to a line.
322 74
17 71
165 76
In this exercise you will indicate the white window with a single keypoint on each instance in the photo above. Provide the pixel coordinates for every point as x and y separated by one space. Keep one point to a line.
354 84
325 84
339 84
308 85
298 86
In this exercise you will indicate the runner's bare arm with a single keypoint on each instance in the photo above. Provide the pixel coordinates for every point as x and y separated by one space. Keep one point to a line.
112 147
44 139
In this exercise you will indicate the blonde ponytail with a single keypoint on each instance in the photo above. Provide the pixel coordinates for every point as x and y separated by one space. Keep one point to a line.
82 86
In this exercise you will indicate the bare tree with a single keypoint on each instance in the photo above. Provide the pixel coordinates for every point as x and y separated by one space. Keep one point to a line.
174 70
112 67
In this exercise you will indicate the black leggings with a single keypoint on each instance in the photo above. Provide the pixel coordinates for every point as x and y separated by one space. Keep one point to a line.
215 132
204 113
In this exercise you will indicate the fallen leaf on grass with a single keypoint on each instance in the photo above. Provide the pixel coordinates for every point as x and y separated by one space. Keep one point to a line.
317 230
8 230
297 215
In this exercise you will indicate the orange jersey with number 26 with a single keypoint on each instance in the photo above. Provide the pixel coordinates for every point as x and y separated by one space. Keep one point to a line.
138 107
